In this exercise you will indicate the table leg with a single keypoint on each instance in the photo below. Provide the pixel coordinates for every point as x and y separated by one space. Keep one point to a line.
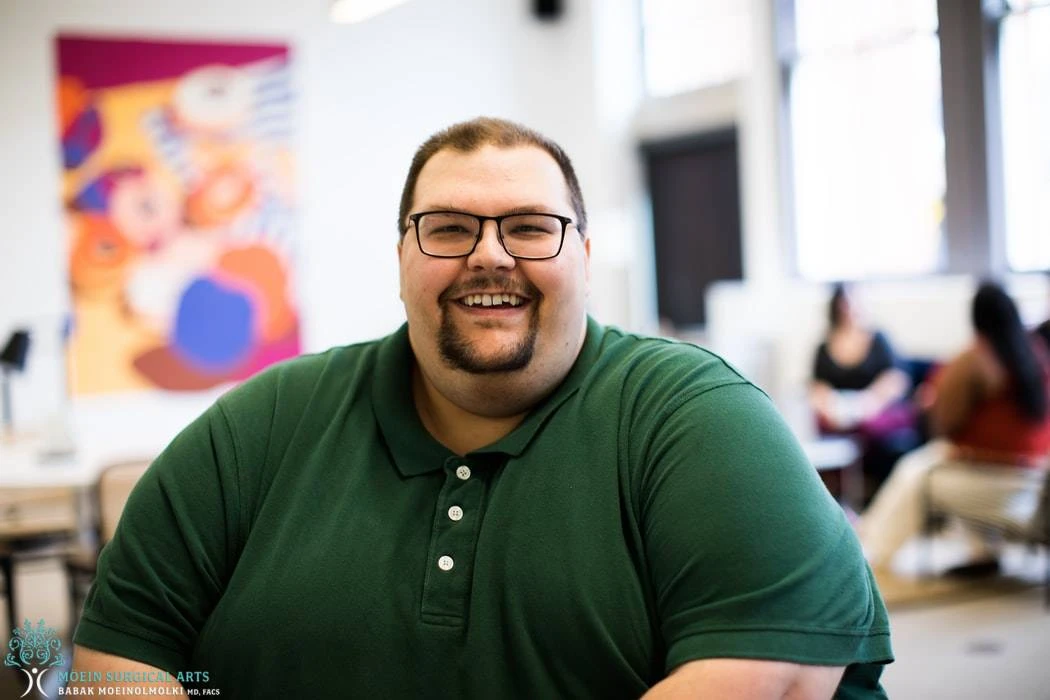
7 568
852 482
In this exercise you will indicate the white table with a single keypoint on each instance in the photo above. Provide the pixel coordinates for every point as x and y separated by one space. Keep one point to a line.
25 464
833 453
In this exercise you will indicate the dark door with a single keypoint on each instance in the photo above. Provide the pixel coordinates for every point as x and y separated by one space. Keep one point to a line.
695 192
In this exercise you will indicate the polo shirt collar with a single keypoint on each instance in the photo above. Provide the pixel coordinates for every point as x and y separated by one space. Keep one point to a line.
415 451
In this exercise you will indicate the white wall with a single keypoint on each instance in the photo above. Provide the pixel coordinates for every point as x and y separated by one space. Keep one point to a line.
368 95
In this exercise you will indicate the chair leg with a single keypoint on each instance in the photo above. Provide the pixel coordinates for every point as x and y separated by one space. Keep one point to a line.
1046 582
74 597
7 572
925 554
928 530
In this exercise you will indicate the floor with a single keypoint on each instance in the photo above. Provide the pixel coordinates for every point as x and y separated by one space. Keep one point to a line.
967 639
993 648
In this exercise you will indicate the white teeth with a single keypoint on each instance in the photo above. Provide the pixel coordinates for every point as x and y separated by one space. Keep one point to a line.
492 299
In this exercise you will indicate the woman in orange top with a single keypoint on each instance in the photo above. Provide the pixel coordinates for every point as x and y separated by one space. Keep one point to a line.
991 408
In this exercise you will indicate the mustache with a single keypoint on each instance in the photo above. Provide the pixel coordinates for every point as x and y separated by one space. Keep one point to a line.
489 283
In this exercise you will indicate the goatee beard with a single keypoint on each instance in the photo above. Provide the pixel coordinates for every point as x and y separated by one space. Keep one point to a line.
460 353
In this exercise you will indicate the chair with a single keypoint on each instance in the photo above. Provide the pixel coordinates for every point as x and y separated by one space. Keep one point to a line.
109 494
1029 525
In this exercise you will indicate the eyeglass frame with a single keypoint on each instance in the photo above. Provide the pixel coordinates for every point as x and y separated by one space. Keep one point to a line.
565 223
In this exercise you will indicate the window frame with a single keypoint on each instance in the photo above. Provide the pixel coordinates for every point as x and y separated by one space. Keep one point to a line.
788 56
995 12
968 35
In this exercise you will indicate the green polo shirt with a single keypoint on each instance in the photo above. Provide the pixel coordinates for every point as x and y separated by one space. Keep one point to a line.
306 537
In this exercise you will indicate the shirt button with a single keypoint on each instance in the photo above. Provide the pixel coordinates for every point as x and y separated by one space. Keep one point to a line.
463 472
445 563
455 513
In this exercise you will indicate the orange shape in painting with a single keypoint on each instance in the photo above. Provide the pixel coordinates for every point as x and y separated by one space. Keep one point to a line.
99 255
258 270
221 196
73 98
167 370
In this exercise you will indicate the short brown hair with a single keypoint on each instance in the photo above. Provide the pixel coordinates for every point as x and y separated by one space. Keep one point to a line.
469 136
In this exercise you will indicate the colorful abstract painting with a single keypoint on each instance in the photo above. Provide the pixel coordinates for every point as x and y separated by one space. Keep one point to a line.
179 200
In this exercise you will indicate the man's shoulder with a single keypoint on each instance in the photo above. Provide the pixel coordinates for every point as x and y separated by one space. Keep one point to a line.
645 361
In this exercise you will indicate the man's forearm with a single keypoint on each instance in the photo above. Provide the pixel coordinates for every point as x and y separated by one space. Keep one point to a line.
114 671
747 679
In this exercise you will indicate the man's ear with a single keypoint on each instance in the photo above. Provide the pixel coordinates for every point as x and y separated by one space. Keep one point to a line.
587 261
400 274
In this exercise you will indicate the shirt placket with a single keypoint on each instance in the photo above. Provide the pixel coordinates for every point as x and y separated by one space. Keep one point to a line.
453 543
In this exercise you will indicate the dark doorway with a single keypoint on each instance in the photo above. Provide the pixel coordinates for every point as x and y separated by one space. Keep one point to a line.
695 191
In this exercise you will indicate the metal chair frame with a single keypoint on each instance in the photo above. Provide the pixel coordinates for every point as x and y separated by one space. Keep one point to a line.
1035 533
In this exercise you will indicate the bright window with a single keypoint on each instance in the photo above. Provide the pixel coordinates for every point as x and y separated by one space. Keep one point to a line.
867 139
695 43
1024 55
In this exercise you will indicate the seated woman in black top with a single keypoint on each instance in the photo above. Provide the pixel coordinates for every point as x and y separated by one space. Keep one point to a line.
859 388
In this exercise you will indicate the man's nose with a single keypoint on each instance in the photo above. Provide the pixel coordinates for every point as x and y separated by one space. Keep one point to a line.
489 253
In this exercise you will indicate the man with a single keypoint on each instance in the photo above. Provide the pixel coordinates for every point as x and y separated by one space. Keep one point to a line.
502 499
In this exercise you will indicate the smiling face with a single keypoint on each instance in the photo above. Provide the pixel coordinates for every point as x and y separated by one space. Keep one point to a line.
488 313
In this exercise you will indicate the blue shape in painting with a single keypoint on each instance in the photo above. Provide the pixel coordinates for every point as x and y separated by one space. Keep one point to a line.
81 138
94 197
213 326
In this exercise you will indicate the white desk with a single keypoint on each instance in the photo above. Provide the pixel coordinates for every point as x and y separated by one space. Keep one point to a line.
23 464
839 454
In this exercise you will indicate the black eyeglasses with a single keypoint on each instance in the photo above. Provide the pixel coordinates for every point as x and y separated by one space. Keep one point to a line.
454 234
